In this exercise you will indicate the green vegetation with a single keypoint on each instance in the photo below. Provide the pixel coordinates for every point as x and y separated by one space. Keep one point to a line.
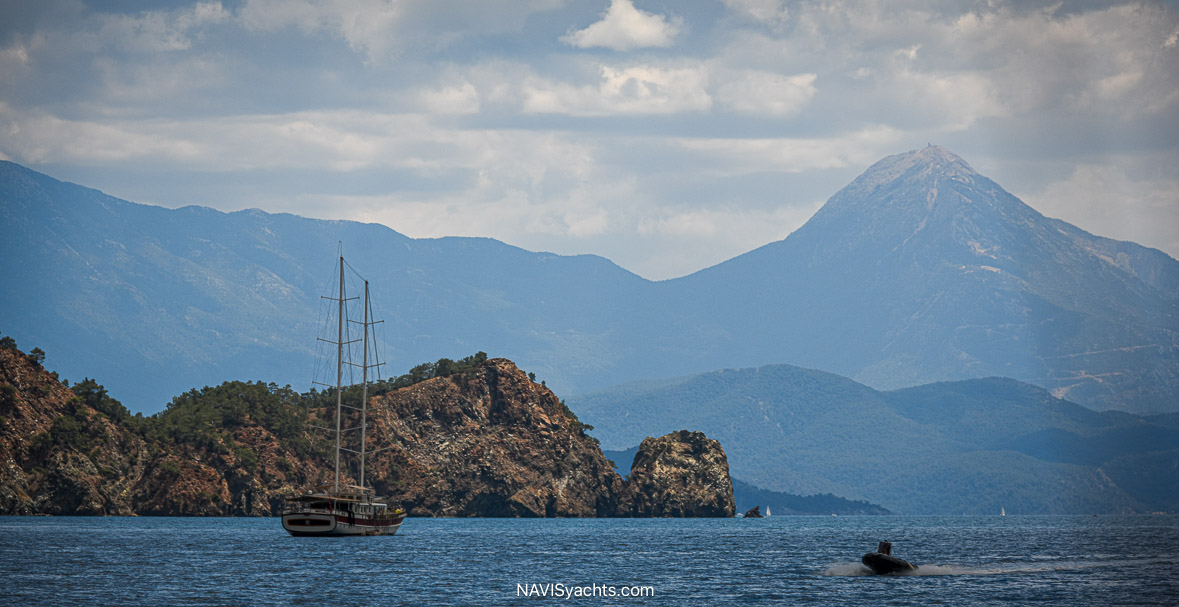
91 393
224 419
76 430
444 367
8 395
207 418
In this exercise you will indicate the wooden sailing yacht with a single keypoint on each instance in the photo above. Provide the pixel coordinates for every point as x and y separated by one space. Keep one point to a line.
338 509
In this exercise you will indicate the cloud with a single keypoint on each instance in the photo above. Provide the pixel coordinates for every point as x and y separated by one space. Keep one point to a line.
958 99
1118 202
770 12
159 31
794 154
673 236
382 30
488 119
68 29
637 90
369 26
624 27
455 99
765 93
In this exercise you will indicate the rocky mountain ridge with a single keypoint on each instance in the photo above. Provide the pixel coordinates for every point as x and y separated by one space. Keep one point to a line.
923 270
920 270
488 442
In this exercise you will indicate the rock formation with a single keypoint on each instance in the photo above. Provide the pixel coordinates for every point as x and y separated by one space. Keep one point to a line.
57 454
682 474
754 512
487 441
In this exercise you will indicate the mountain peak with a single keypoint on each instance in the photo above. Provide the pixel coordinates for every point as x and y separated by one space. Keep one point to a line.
932 160
901 195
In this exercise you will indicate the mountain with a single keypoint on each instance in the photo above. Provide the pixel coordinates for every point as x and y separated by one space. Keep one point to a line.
970 446
155 301
481 440
921 270
777 503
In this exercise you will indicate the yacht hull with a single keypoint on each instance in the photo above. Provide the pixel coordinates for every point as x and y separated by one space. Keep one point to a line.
320 525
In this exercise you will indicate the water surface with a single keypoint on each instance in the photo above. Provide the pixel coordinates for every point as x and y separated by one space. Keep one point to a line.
1013 560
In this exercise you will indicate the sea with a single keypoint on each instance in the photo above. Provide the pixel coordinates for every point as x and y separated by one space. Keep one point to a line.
786 560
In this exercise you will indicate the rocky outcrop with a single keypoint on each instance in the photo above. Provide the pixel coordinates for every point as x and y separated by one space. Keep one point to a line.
489 442
754 512
682 474
61 455
57 454
486 441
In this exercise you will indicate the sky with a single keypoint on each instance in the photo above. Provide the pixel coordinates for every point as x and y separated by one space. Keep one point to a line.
667 136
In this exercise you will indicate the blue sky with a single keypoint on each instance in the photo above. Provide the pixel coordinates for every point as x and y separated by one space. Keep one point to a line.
667 136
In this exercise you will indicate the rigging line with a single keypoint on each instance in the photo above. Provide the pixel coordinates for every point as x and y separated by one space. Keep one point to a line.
370 365
327 313
375 312
354 270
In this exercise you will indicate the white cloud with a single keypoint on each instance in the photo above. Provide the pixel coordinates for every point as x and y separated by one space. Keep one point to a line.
1105 200
993 60
956 99
367 25
636 90
456 99
764 93
681 241
624 27
770 12
479 118
159 31
795 155
384 29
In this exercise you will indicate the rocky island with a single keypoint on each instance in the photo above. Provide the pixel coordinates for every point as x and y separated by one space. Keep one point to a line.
478 438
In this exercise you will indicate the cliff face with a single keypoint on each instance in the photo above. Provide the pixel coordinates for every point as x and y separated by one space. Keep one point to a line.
65 454
484 442
249 472
682 474
57 454
488 443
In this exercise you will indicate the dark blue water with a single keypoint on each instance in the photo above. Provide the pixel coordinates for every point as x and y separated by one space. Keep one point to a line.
783 560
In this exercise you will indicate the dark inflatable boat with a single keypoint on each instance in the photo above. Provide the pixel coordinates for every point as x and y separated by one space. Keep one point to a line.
882 562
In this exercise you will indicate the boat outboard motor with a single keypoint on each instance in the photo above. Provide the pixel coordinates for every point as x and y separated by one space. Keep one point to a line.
882 562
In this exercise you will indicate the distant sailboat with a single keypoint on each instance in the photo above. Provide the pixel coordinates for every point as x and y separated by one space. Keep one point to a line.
767 511
1002 511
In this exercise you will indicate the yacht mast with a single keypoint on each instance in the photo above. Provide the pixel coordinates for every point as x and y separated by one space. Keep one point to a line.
364 381
339 371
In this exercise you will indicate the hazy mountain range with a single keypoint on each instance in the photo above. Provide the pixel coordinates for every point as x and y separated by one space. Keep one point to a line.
970 446
921 270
